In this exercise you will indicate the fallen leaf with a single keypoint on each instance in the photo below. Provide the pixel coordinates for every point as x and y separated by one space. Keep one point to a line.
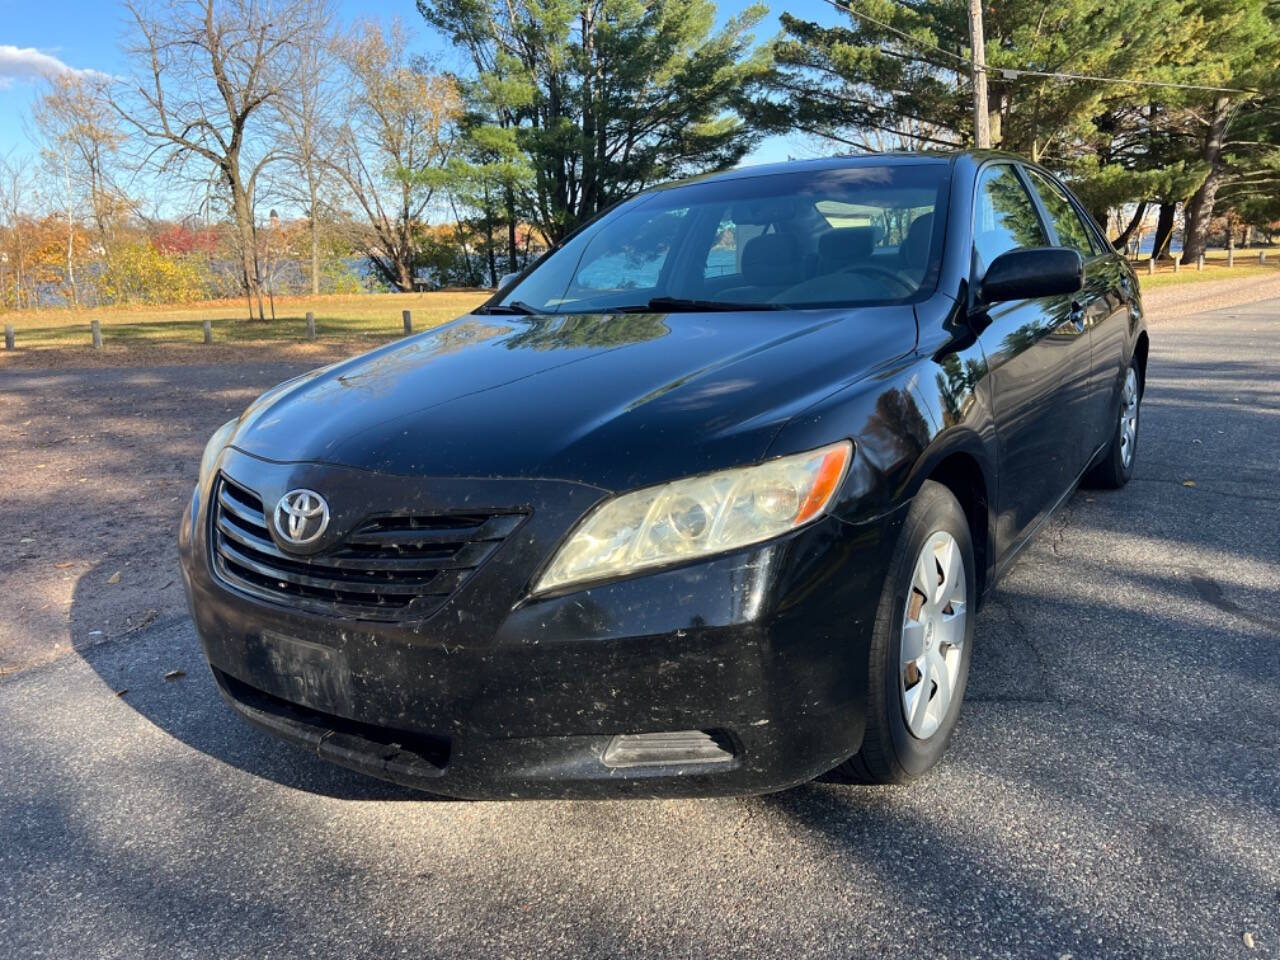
114 578
175 675
64 565
1248 940
1188 483
121 693
27 540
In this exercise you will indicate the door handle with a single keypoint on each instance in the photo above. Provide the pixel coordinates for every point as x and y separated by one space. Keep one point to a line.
1077 315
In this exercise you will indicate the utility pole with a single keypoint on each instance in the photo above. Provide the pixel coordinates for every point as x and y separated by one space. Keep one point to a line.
981 119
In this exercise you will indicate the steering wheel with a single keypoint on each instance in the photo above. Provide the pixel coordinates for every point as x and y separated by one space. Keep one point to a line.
877 270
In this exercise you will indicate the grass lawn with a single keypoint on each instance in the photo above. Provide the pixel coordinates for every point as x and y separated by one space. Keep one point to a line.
1215 268
372 318
359 317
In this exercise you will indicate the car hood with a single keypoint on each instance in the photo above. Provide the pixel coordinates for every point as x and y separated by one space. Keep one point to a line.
616 401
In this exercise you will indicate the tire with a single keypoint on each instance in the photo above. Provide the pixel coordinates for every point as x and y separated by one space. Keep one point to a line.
1116 466
892 752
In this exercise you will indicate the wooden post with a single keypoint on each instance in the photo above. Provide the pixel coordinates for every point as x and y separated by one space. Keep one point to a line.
311 325
208 331
1200 263
95 329
1151 265
1177 262
8 336
1262 257
408 322
1231 256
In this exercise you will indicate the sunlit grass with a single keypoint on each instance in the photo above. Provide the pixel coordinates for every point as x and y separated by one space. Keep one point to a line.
1215 268
351 317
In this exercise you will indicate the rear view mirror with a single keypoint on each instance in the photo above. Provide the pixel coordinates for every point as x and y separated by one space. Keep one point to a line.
1034 272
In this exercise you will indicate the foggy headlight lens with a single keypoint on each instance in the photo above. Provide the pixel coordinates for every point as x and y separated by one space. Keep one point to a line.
217 443
699 516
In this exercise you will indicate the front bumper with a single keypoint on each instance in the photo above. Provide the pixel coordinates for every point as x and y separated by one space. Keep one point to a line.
497 696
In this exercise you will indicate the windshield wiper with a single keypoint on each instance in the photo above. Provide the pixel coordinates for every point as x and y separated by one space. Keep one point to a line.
514 307
682 305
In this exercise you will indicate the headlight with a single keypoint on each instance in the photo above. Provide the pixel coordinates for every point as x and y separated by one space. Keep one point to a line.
699 516
217 443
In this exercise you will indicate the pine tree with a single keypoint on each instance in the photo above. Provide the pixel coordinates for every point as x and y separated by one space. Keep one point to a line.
605 97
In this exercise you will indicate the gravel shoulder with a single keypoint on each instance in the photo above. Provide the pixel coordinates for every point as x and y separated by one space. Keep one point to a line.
98 465
1188 299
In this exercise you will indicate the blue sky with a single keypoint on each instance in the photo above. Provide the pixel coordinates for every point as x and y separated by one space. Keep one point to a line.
52 35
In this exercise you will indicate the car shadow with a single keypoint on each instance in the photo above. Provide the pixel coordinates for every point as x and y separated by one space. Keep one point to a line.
161 673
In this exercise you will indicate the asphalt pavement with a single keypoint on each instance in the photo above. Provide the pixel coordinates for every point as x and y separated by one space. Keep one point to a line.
1113 789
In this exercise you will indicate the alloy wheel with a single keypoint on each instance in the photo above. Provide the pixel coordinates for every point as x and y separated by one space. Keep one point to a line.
1128 417
933 632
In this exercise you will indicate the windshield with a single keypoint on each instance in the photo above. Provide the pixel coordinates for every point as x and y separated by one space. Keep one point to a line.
856 235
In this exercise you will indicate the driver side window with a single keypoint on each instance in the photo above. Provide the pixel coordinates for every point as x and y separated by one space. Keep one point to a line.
1004 218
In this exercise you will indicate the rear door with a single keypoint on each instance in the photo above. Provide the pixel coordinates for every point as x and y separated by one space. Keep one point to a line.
1103 305
1036 350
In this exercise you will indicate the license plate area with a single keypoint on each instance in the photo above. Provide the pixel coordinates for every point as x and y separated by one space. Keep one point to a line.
303 671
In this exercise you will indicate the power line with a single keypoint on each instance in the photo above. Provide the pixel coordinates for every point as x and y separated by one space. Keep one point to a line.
1012 73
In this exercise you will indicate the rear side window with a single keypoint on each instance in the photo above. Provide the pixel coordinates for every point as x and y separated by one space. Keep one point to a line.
1004 218
1072 231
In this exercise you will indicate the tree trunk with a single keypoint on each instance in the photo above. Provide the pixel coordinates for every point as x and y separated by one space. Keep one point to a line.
512 265
404 275
1199 211
1127 232
71 236
245 235
1164 229
315 237
489 244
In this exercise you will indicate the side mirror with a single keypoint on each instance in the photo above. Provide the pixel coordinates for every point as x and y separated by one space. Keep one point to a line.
1034 272
506 278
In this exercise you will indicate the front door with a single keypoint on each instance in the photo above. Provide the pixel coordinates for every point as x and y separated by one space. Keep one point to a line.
1037 354
1105 310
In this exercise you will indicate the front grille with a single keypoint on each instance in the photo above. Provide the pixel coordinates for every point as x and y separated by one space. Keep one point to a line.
389 568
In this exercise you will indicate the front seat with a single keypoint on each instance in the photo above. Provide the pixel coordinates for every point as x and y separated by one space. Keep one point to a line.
844 247
771 262
914 252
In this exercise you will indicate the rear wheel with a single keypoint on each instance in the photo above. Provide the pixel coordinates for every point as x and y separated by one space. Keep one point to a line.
1116 466
921 644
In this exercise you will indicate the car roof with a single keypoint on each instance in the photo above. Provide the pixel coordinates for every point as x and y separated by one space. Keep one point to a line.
892 158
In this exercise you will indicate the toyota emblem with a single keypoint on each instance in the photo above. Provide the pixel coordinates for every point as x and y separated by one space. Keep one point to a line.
301 517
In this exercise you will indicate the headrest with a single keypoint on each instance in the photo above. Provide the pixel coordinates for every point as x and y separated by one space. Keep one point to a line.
915 248
772 259
844 246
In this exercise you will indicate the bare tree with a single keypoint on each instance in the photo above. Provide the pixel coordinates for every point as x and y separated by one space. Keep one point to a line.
308 120
16 188
207 73
399 133
82 141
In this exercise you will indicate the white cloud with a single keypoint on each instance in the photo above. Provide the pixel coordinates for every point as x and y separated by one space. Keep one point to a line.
28 63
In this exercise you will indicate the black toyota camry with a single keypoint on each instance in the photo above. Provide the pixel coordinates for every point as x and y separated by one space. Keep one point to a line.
703 502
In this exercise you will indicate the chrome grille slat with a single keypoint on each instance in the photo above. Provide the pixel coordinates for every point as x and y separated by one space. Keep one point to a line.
238 510
495 528
390 568
467 556
323 583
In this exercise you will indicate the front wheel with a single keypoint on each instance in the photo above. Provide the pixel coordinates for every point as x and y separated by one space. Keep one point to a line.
921 644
